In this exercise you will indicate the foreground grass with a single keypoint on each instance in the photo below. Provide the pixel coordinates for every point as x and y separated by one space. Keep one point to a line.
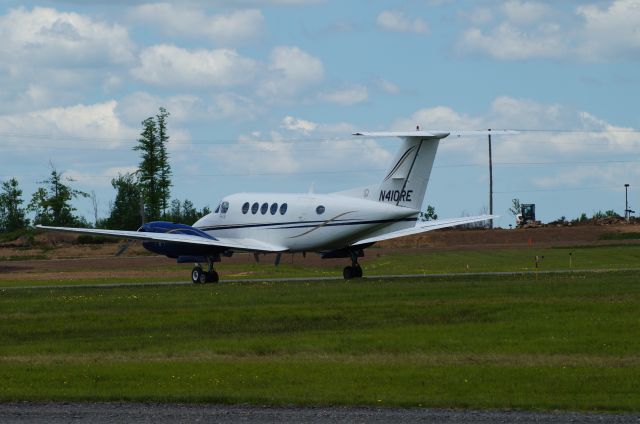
558 342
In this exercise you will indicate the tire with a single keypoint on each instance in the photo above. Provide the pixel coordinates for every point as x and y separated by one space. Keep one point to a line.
348 272
197 275
212 277
357 270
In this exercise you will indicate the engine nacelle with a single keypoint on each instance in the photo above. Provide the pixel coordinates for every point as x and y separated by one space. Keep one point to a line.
175 250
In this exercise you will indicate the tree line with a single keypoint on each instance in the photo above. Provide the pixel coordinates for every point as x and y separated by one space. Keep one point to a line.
141 196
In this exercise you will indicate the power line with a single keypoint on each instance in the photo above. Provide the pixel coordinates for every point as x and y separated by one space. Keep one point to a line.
222 141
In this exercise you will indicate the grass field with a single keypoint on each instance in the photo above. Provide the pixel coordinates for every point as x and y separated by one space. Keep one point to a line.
376 262
567 342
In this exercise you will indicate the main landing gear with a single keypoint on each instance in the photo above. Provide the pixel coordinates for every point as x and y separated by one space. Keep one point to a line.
353 271
199 276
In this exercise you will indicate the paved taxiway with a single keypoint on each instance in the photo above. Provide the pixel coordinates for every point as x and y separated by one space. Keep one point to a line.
156 413
430 277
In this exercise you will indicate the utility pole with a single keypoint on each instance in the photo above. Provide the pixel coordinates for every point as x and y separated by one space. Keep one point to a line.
490 181
627 212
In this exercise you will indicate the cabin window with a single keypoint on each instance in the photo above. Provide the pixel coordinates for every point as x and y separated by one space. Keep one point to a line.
274 208
254 208
224 207
264 208
320 210
283 209
245 208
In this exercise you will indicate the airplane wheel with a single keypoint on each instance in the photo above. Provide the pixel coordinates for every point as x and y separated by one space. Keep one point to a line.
212 277
198 276
348 272
357 271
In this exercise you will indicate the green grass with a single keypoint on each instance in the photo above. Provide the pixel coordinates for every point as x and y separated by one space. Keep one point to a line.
620 236
530 342
377 263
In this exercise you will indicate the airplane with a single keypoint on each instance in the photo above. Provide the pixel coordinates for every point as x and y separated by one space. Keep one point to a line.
336 225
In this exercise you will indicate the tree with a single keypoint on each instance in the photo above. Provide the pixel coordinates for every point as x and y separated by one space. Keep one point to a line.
164 177
148 169
12 215
52 203
154 171
185 212
515 209
125 210
429 214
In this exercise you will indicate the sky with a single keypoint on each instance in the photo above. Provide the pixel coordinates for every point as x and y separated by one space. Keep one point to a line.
264 96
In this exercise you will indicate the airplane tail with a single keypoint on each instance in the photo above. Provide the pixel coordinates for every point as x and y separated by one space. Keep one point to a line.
405 182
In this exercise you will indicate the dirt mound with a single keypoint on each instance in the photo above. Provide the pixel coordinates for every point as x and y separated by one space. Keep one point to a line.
547 236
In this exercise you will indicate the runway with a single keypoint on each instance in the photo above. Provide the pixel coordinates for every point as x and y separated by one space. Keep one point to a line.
429 278
157 413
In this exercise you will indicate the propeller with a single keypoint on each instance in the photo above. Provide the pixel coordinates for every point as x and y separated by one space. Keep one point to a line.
124 247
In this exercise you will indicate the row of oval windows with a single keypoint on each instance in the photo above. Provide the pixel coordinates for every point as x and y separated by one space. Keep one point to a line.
224 207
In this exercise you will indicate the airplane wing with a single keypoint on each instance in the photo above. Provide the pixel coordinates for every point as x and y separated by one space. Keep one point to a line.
424 226
229 243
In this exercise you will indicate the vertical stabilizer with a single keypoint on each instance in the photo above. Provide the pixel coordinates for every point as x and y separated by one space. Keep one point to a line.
405 182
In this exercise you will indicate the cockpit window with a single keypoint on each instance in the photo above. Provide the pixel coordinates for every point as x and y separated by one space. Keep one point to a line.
320 210
283 209
245 208
224 207
274 208
254 208
263 208
217 209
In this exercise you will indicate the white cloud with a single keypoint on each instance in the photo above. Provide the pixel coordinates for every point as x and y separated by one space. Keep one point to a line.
612 31
534 30
387 86
396 21
437 118
290 72
102 179
508 42
347 96
525 12
168 65
183 20
80 125
329 148
296 124
44 36
589 139
188 108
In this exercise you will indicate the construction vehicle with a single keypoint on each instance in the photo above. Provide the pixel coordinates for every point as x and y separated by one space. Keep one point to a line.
527 214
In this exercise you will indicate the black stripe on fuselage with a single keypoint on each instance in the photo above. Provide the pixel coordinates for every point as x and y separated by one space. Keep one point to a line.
304 224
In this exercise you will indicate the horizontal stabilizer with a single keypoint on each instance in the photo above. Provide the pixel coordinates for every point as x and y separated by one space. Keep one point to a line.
424 226
435 134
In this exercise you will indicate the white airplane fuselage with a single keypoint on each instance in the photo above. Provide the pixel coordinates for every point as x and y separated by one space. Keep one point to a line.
303 222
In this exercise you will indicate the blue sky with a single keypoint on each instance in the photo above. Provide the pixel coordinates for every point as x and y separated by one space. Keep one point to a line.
264 95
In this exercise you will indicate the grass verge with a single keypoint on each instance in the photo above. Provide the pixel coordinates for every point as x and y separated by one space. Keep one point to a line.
558 342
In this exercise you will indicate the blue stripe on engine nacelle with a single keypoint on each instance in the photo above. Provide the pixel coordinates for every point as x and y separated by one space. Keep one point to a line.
173 228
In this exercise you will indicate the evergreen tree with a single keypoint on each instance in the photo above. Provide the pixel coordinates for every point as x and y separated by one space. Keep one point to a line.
125 210
185 212
154 171
52 203
12 215
429 215
164 177
148 169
